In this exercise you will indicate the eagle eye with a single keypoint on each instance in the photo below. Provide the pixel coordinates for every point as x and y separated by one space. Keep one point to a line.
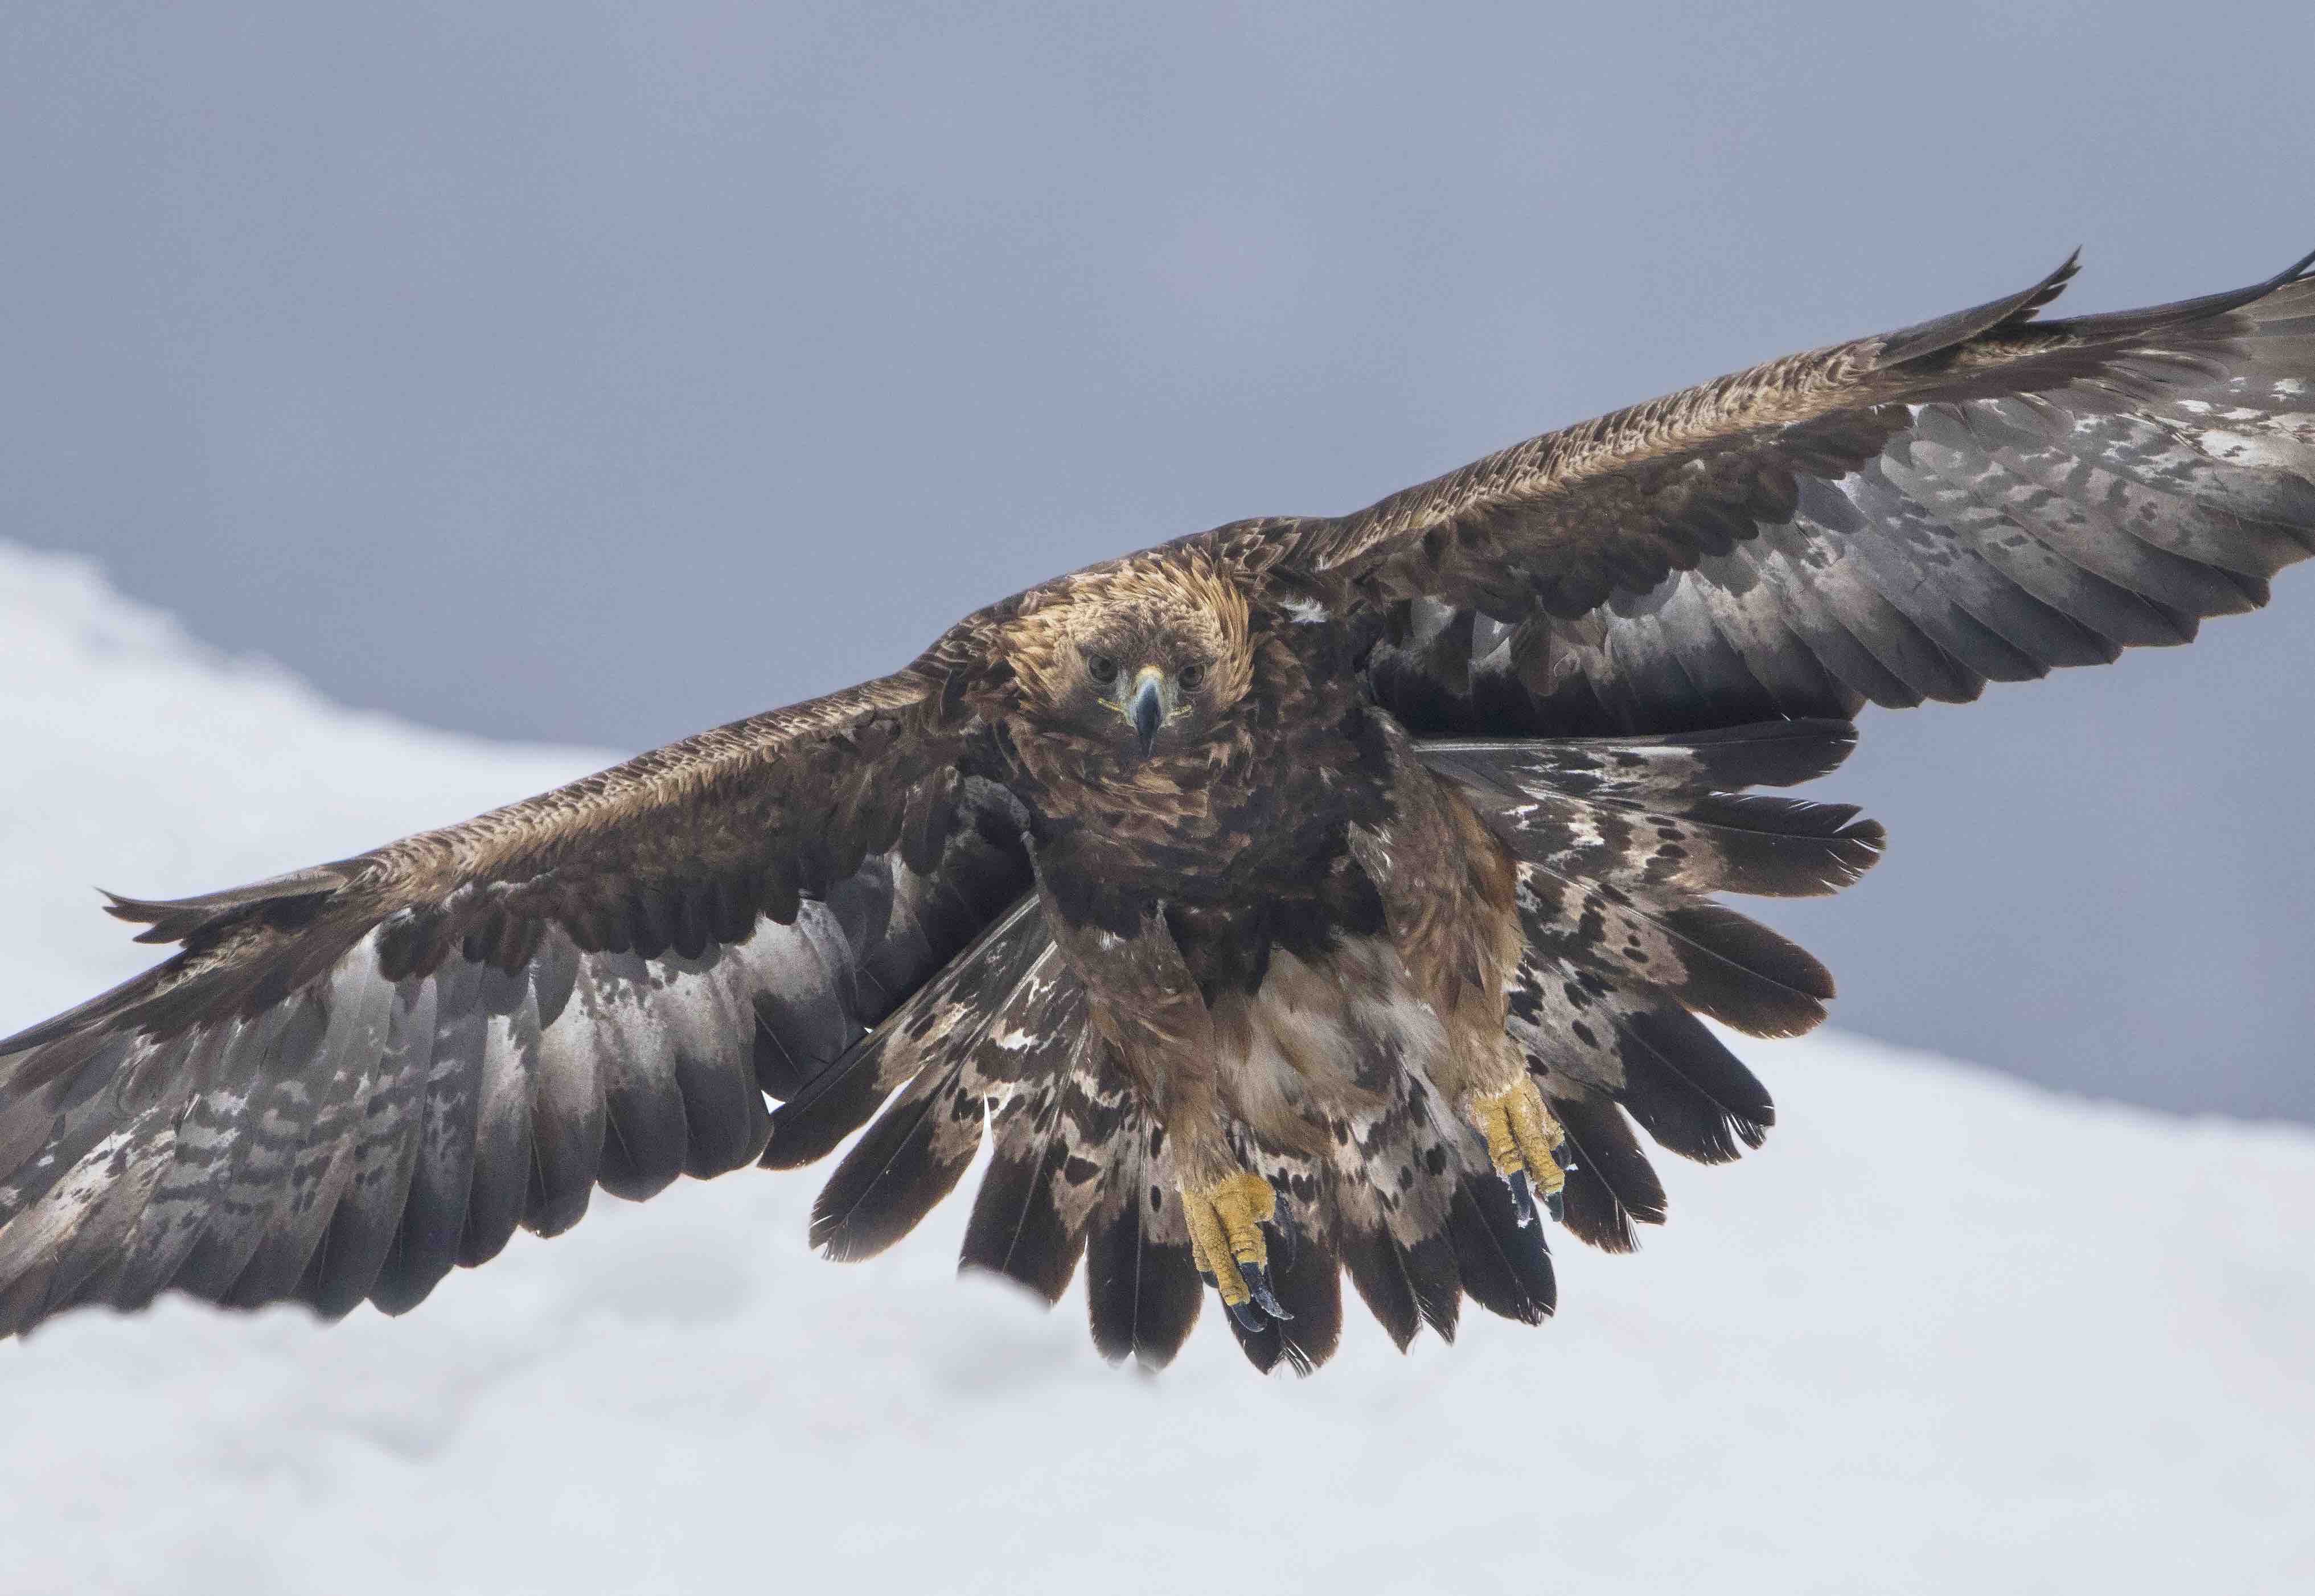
1192 677
1102 669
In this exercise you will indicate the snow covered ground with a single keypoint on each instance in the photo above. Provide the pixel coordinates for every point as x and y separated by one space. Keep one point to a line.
1943 1333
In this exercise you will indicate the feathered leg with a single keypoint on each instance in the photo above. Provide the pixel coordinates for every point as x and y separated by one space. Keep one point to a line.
1450 896
1142 1001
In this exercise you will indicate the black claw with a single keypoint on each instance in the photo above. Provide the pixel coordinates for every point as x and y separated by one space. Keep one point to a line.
1257 1280
1249 1317
1212 1284
1522 1197
1555 1205
1564 1155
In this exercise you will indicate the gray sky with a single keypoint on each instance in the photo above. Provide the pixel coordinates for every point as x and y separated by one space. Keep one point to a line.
597 373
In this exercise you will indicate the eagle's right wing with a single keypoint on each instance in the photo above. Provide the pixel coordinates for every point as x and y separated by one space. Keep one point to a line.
352 1078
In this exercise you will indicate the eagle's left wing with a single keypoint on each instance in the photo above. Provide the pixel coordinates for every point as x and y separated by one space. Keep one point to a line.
1982 497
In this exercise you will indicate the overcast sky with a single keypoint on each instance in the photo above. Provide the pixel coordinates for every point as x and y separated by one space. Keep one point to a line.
597 373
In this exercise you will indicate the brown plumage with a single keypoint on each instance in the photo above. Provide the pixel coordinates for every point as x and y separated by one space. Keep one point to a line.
1308 897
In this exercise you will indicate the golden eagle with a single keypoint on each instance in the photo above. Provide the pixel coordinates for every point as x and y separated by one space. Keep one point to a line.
1304 898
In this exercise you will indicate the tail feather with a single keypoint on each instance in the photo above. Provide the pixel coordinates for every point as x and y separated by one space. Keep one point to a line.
1611 1187
1017 1229
1306 1272
1063 1106
1504 1265
1308 1278
1396 1168
1378 1268
1143 1291
1688 1091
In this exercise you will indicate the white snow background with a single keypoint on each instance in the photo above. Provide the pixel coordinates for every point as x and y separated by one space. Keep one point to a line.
1943 1333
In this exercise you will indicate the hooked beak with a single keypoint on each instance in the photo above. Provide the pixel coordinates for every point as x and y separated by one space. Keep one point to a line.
1145 707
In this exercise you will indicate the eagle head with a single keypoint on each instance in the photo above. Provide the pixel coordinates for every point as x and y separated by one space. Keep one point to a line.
1146 653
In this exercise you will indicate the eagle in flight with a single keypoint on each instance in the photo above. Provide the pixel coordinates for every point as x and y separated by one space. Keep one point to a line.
1306 898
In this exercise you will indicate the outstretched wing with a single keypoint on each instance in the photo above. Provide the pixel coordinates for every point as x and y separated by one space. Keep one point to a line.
352 1078
1979 498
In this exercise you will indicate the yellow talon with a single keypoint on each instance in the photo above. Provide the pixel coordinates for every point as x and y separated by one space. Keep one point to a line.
1227 1244
1522 1138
